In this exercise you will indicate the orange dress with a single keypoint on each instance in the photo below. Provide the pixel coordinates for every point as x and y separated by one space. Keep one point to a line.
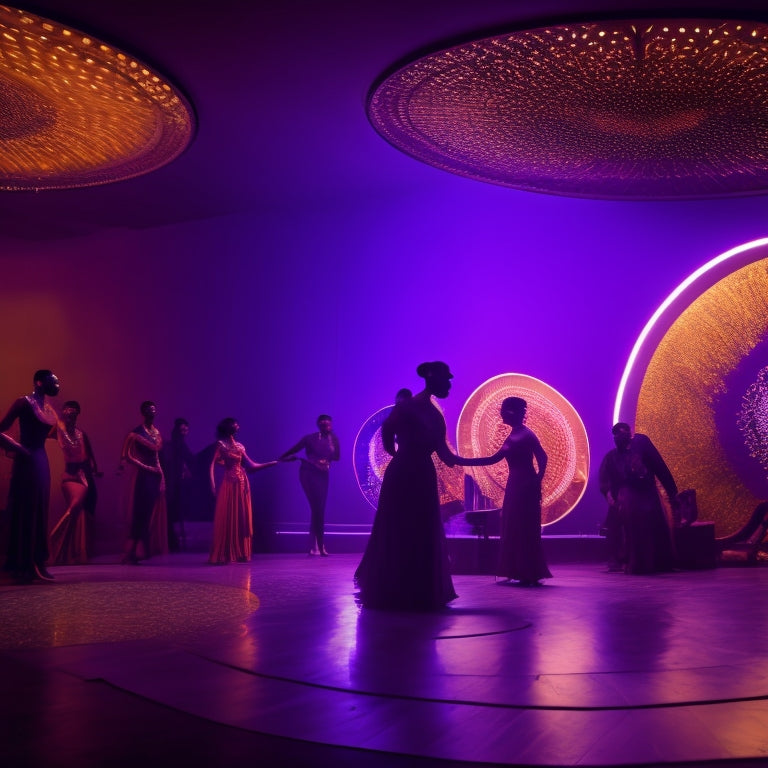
232 520
69 538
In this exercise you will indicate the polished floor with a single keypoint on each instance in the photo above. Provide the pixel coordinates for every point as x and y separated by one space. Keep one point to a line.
273 663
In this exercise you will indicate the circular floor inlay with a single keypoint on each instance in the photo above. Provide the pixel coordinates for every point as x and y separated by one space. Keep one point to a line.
75 614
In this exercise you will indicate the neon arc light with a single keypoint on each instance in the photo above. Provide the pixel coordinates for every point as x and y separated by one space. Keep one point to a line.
649 326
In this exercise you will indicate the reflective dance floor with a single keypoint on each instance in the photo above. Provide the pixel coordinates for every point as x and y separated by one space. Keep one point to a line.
176 662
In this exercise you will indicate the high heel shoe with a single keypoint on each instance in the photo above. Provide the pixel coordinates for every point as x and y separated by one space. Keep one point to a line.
41 572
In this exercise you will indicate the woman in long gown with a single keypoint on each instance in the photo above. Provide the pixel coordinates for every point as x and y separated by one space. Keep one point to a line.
30 488
232 519
146 490
521 556
405 565
69 537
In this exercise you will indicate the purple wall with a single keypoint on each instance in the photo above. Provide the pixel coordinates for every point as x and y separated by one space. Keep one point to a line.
330 305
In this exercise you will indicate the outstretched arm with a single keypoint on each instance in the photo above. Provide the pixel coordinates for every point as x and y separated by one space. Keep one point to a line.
480 461
254 466
291 451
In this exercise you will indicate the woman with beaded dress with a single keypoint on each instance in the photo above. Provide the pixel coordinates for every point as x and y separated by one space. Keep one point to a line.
232 519
69 537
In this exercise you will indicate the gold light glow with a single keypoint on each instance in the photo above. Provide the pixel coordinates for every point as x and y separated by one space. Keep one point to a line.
77 112
555 422
644 109
371 461
686 376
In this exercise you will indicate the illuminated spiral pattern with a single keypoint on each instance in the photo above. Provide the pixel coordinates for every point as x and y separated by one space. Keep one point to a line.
704 393
78 112
644 109
753 418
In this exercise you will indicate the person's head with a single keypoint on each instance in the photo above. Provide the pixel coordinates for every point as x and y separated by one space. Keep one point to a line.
403 395
46 383
180 429
227 427
70 410
513 411
324 423
437 377
622 435
148 410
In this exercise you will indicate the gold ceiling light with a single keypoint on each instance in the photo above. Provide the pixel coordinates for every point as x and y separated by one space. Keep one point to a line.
76 112
642 109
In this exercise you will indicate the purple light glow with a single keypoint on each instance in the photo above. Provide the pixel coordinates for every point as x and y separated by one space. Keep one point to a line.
704 277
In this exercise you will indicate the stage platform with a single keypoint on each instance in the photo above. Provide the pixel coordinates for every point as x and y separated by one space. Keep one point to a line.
272 662
472 548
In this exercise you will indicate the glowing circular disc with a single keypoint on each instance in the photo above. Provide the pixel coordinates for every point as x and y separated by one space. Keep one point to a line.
554 421
78 112
704 391
370 460
623 109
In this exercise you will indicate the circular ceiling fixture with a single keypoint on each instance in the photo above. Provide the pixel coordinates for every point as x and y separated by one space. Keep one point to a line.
629 109
555 422
77 112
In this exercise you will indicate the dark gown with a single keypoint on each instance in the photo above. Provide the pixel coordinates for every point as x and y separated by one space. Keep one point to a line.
405 565
177 461
643 533
521 555
146 500
29 492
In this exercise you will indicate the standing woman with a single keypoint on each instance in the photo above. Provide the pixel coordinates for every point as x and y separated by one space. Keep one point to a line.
521 556
320 449
30 488
69 538
405 565
233 518
177 462
141 449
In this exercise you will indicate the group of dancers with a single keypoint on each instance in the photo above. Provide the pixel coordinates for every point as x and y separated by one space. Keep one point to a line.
152 486
405 565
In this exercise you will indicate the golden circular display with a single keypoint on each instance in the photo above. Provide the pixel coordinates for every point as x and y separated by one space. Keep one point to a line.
703 395
622 109
556 423
78 112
